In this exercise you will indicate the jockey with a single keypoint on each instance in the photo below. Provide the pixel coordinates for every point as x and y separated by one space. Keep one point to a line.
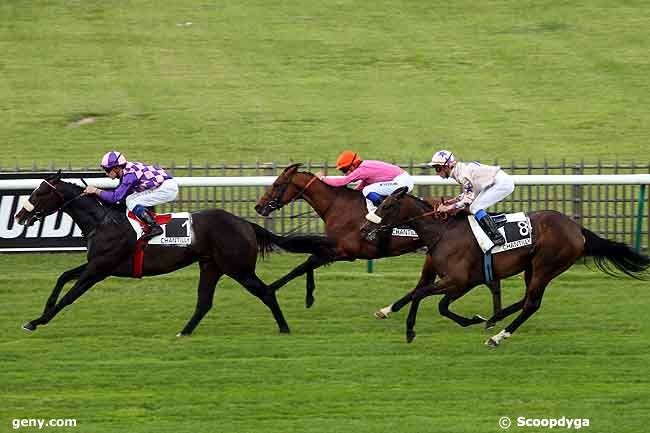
378 179
483 186
141 185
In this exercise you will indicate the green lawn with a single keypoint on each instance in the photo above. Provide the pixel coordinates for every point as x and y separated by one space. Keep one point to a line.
112 361
302 80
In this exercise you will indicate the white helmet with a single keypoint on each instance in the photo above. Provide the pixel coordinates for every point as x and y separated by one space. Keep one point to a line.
443 157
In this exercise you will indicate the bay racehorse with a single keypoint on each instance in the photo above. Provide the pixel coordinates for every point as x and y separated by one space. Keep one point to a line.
223 244
343 210
455 256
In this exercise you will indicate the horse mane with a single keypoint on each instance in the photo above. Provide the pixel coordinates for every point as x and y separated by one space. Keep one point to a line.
427 205
78 189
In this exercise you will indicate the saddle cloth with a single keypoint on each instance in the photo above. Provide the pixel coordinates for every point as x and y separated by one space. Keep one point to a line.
177 228
515 228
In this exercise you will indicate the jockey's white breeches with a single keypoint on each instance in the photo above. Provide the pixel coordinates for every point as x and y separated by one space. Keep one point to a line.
387 188
166 192
502 187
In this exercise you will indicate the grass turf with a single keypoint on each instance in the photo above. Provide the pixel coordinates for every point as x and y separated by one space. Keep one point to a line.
112 362
274 81
302 80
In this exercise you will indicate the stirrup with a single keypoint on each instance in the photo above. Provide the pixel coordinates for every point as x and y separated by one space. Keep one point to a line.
153 232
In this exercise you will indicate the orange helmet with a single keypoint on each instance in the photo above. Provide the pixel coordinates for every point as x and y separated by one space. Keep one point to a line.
346 159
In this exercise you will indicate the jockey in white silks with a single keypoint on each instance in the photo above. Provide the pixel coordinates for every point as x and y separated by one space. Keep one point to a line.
378 179
483 186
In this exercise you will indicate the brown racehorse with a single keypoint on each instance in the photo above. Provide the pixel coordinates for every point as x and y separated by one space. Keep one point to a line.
343 210
454 255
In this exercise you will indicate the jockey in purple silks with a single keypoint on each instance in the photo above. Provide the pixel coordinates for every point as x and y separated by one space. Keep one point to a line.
140 186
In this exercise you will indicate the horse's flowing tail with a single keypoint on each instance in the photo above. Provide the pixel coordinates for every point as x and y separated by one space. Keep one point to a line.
608 253
311 244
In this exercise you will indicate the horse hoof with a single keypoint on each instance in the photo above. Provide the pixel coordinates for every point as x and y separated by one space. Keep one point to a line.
492 343
490 324
309 301
29 327
379 315
181 334
285 331
410 336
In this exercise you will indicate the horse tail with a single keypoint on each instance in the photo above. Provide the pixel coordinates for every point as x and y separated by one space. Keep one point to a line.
311 244
607 253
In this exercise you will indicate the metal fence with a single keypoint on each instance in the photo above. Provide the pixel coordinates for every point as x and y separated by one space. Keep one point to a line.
610 210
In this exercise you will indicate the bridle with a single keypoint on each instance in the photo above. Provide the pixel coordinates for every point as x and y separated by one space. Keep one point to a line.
39 214
275 203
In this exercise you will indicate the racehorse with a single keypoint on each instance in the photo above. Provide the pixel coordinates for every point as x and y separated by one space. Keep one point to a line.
223 244
455 256
343 211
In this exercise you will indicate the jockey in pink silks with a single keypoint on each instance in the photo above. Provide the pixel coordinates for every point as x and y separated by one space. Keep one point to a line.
377 179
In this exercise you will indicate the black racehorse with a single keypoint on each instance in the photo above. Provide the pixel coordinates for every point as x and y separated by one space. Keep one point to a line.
558 242
222 244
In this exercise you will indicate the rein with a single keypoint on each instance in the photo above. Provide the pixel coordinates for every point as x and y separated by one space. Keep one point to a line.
40 216
302 191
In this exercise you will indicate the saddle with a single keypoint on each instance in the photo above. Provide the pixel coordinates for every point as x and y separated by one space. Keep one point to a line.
177 231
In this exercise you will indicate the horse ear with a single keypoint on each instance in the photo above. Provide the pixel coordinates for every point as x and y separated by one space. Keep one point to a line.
399 192
57 176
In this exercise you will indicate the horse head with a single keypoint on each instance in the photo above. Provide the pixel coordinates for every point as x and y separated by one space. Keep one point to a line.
283 191
45 200
389 212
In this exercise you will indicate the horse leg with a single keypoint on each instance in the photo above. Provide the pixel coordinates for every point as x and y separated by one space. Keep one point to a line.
410 321
418 295
309 288
86 281
383 313
64 278
308 267
208 279
531 304
255 286
537 278
511 309
427 276
495 288
443 308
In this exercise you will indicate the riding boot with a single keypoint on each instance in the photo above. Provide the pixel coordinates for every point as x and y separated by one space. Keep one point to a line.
491 230
372 201
154 228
